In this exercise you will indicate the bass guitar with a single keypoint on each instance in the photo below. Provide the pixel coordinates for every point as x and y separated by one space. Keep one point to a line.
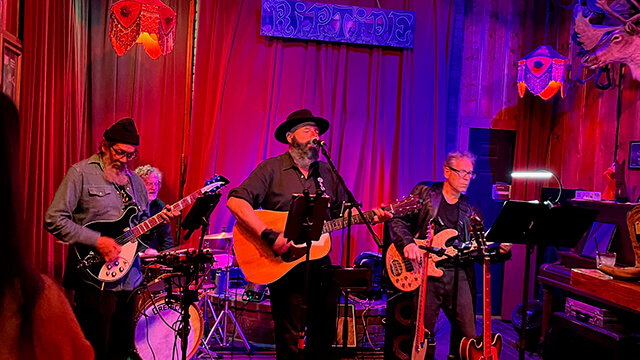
99 270
261 265
407 275
488 345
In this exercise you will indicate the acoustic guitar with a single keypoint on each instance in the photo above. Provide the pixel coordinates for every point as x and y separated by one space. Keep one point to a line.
261 265
488 345
96 269
406 275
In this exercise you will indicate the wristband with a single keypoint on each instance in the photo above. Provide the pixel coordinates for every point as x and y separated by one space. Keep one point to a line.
270 236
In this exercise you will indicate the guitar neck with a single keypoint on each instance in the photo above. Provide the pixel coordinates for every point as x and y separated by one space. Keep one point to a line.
422 299
342 222
486 309
153 221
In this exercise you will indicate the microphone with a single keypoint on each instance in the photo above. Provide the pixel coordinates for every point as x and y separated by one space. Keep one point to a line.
318 142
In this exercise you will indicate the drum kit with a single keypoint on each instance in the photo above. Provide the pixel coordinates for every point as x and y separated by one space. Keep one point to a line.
158 323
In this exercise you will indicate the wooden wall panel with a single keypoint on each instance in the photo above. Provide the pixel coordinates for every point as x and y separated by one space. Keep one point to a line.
575 137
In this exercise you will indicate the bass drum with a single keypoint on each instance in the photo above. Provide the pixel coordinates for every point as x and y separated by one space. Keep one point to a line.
156 330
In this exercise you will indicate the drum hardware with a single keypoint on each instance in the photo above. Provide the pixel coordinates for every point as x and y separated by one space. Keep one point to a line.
207 308
225 315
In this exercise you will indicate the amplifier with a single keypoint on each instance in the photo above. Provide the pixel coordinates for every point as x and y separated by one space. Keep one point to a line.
590 314
588 195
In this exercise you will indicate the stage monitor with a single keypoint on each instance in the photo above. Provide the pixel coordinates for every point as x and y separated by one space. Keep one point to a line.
600 233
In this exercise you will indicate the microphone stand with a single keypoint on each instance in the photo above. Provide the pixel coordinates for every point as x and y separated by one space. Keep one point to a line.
354 204
350 197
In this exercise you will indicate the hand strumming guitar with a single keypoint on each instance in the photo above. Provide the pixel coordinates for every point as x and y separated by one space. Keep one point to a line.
108 248
281 245
412 252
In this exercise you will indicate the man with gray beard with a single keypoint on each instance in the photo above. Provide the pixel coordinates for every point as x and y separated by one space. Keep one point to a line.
270 187
100 188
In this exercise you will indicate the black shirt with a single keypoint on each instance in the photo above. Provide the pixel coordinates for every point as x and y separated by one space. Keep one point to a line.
274 180
448 214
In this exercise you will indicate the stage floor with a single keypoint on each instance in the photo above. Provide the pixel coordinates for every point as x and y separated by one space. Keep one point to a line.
509 351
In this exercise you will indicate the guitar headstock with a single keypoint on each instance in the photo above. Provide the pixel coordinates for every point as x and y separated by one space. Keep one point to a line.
476 227
215 184
406 206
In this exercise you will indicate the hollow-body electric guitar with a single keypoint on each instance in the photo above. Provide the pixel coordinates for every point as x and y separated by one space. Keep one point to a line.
489 345
93 264
406 275
261 265
424 346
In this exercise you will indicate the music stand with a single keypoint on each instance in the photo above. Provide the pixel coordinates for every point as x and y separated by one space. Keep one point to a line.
304 225
531 224
197 217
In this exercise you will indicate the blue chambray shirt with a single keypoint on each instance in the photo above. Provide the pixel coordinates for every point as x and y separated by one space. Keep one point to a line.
85 196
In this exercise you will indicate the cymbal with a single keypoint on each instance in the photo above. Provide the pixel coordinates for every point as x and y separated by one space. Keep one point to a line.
222 235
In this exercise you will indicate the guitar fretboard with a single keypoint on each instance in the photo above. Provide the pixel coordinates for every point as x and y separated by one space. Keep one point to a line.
153 221
342 223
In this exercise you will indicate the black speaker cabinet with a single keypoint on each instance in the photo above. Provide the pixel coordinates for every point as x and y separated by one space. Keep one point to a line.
399 325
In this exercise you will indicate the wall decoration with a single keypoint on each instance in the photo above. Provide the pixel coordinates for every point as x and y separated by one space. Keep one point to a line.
340 23
543 72
608 34
11 68
634 155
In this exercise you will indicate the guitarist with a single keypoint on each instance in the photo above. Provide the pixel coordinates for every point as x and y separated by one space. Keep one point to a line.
447 203
270 187
100 188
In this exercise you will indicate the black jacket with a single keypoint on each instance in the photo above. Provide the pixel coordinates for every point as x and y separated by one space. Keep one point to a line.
402 230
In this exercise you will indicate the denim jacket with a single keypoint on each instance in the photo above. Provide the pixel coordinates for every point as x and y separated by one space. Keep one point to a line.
85 196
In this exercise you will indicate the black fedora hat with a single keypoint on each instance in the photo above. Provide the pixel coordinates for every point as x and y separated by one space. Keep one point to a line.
296 118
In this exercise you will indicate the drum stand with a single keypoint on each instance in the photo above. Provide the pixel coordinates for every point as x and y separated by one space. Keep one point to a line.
226 314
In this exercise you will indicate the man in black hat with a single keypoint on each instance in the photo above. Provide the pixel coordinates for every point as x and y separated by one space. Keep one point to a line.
100 188
270 187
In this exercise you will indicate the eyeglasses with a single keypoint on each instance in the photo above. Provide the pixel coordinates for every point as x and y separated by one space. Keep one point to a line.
122 153
463 173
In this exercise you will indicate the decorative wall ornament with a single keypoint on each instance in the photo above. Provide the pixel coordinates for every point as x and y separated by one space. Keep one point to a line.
612 36
340 23
543 72
147 22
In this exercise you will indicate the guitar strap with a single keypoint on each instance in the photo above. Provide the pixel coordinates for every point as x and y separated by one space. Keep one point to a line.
127 199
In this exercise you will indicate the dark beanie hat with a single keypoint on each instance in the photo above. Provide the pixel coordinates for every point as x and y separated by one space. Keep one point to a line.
124 131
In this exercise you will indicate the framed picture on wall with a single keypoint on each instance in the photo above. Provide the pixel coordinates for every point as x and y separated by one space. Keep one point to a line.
634 155
11 68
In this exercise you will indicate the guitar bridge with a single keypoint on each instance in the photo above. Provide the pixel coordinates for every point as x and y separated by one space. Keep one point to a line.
89 260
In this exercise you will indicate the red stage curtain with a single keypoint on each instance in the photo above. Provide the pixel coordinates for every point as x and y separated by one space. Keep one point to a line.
54 114
387 107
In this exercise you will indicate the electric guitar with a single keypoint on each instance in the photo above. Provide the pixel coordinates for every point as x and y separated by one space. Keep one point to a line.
424 345
407 275
487 346
261 265
92 263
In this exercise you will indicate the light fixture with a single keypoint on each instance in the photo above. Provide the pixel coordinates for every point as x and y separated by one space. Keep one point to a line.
543 72
538 174
147 22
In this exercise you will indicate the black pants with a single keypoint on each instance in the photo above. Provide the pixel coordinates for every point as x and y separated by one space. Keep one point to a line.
106 319
440 295
286 309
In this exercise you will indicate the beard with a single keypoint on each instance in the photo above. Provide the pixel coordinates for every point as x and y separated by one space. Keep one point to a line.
303 154
116 172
